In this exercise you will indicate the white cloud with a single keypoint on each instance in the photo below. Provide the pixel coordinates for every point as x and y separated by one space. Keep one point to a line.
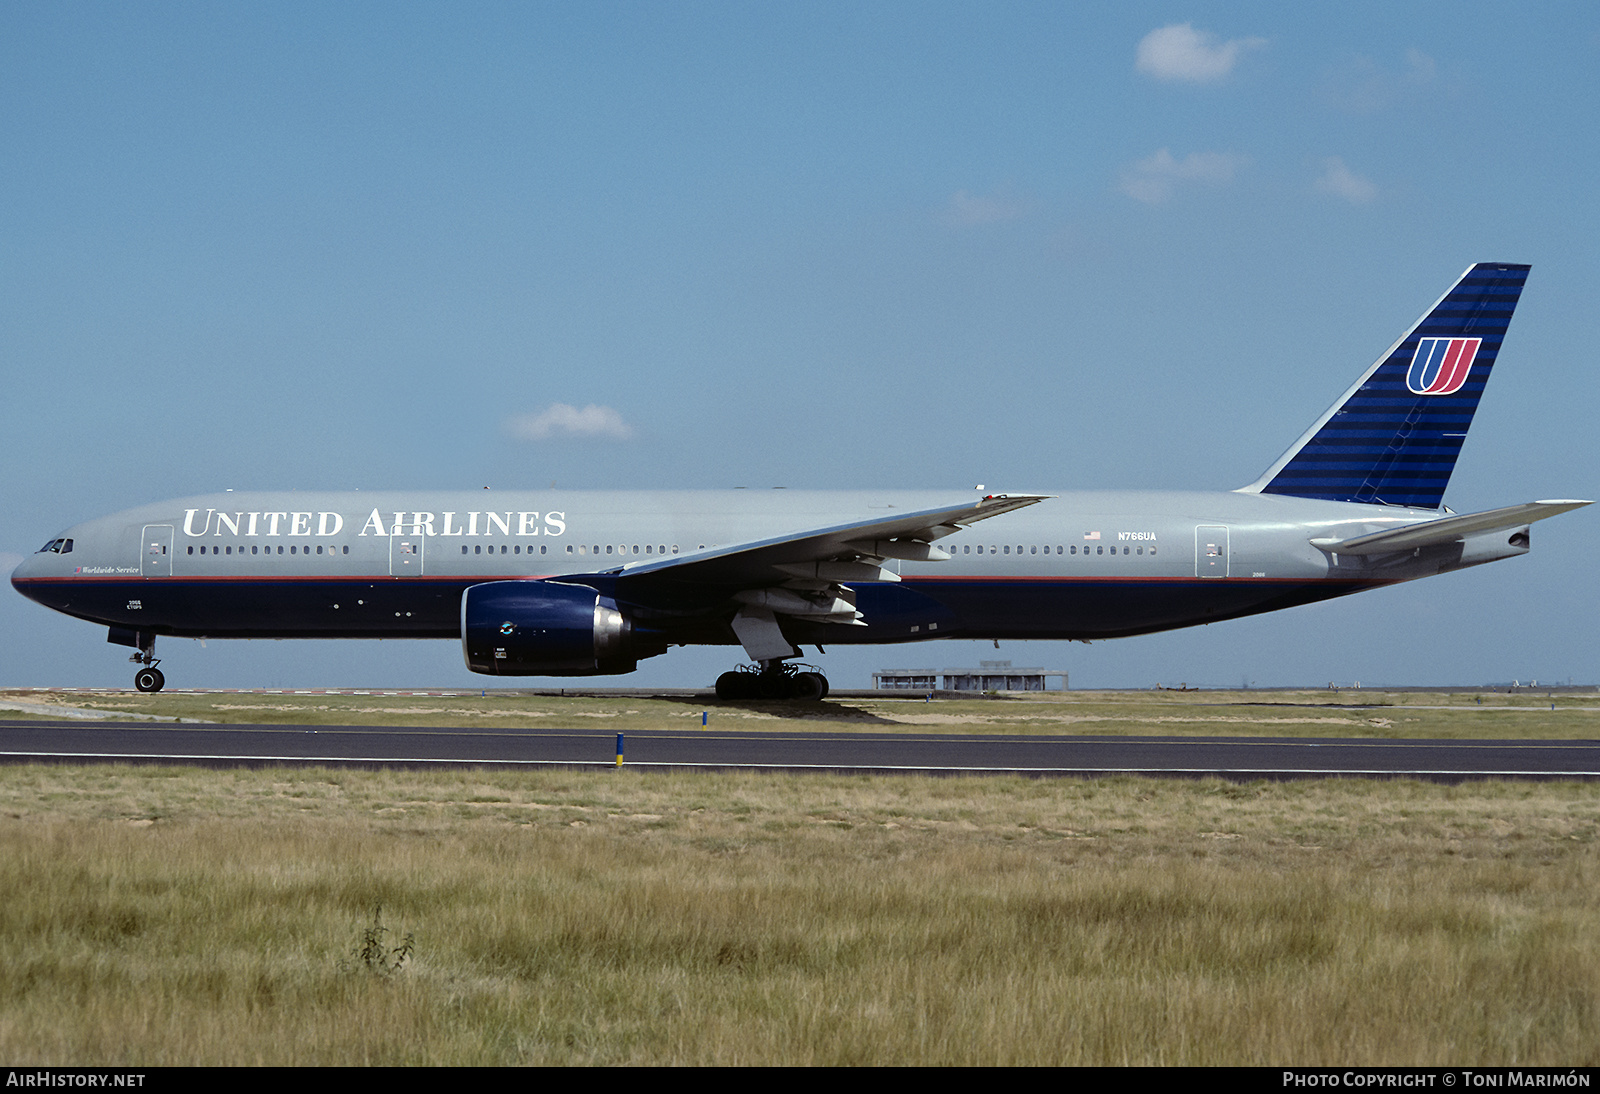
1154 180
966 209
560 420
1360 85
1179 52
1420 68
1340 181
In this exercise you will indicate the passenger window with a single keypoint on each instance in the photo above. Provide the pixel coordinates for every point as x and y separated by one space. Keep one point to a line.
191 550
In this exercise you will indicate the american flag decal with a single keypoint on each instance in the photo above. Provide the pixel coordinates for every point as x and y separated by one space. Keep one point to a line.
1441 365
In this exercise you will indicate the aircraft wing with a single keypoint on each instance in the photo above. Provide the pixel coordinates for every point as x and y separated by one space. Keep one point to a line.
1447 529
801 575
864 544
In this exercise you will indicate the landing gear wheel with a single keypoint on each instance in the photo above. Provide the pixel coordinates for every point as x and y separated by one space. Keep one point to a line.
149 680
774 680
733 685
774 685
811 686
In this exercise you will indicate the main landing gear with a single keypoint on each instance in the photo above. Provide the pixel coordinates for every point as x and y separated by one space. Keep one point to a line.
773 680
148 678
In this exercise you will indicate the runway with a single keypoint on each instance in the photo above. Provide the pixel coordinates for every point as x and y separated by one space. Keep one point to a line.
1242 758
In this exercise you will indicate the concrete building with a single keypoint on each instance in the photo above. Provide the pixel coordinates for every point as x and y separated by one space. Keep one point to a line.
988 676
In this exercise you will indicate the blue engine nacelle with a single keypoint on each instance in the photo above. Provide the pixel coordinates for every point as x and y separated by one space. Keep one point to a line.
544 628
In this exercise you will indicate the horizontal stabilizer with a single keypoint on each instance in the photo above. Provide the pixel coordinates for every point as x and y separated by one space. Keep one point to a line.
1447 529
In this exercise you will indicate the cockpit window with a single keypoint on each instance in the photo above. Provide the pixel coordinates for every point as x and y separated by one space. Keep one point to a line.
53 546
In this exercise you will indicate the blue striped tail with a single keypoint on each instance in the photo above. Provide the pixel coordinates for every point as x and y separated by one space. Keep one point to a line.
1394 437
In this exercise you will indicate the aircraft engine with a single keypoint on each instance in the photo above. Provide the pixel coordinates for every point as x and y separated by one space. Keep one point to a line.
545 628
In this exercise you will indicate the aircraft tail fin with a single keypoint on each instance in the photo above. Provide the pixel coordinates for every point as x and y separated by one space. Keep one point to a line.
1394 436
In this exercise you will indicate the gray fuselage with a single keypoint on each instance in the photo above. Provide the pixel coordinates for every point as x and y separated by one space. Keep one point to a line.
380 565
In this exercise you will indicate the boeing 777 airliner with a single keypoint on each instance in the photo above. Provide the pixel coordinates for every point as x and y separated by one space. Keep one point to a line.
580 583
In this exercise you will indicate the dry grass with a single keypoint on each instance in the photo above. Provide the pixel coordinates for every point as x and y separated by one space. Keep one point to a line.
168 916
1360 713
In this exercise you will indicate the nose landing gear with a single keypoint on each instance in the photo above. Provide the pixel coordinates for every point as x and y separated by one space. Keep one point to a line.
148 678
773 680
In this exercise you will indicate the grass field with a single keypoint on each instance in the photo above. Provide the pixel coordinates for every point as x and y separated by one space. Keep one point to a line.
1348 713
175 916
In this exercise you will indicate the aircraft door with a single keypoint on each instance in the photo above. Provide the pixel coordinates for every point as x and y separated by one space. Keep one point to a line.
155 550
405 555
1211 550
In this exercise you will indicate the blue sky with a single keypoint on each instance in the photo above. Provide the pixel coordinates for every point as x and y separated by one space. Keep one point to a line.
823 245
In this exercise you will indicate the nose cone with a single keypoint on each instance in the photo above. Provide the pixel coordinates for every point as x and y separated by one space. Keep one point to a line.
24 575
40 577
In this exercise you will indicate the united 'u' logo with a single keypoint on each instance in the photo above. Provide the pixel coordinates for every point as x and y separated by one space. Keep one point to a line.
1441 365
